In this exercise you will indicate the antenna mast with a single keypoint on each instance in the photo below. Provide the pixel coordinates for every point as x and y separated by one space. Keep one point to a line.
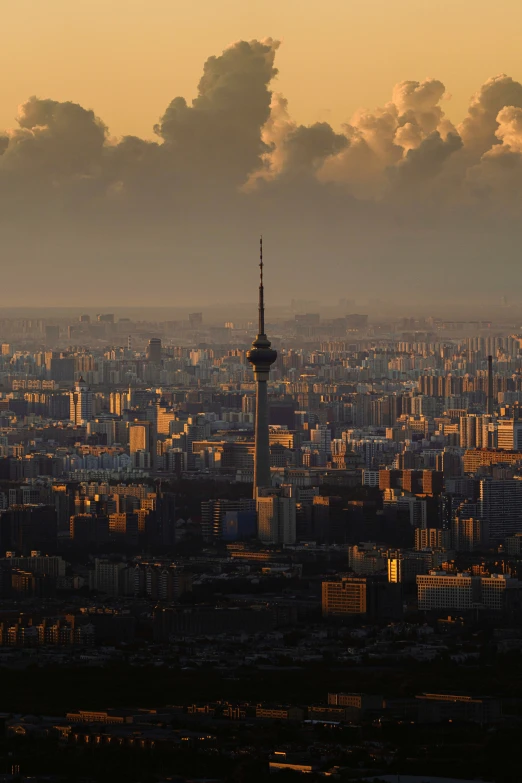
261 290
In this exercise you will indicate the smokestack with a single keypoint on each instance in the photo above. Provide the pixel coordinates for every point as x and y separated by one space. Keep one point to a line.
490 386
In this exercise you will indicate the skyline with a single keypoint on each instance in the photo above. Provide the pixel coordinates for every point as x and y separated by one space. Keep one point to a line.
240 537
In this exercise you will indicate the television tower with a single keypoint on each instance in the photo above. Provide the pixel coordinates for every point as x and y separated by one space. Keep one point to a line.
261 356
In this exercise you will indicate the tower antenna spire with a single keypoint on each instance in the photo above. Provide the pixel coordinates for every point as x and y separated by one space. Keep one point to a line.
261 289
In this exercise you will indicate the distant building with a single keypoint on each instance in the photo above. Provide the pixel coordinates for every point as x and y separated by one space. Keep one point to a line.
52 335
372 596
276 519
500 506
442 707
154 350
440 590
81 403
509 434
345 596
107 576
195 320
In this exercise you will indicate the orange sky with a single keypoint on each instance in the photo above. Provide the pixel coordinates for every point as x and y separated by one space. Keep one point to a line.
127 59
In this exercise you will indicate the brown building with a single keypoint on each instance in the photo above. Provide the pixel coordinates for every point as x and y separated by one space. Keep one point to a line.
475 458
347 596
412 481
432 538
389 479
432 482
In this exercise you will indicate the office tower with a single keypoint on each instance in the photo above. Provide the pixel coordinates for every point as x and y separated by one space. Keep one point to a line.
500 505
321 437
404 568
104 429
509 434
154 350
469 534
125 528
164 417
52 335
195 320
490 386
81 403
142 441
119 402
107 576
24 528
163 525
261 356
87 530
432 538
276 519
228 519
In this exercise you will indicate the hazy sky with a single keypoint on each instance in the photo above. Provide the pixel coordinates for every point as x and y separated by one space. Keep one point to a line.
127 58
145 144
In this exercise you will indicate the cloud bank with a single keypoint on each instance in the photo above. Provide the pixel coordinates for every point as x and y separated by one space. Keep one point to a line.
398 200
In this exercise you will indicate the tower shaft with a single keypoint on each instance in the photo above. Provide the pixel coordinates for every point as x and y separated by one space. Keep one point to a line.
262 447
261 356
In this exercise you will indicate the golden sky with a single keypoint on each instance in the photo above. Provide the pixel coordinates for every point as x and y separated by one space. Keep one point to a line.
127 59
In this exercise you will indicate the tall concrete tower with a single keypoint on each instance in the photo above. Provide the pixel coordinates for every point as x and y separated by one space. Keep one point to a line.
261 356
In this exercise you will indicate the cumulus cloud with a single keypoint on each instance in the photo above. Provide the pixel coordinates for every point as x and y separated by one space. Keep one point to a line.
509 130
219 135
55 139
293 150
234 160
478 129
383 139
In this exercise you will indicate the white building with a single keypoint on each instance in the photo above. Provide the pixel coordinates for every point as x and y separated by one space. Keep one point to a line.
440 590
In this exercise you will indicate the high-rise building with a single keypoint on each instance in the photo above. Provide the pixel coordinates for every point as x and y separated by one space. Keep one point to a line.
154 350
195 320
469 534
81 403
509 434
404 568
276 519
52 335
142 440
107 576
500 506
261 356
432 538
217 517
